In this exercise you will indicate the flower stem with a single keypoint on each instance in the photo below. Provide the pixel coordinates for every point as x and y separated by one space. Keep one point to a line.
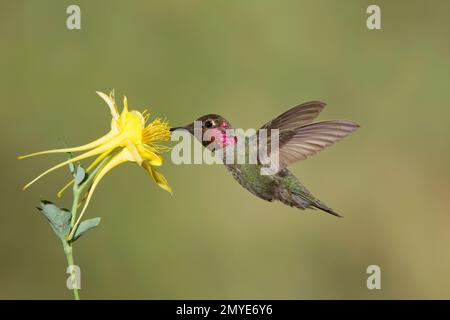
69 255
68 249
76 197
78 189
74 223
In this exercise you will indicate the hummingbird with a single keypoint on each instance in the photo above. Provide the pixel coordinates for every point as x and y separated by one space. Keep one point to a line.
299 138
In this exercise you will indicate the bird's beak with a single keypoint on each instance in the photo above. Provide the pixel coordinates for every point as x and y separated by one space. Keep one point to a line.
189 127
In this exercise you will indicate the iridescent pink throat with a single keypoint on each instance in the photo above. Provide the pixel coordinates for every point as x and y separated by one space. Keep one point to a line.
222 139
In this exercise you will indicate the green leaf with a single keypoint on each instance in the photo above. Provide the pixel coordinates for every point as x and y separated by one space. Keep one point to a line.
85 226
80 174
59 219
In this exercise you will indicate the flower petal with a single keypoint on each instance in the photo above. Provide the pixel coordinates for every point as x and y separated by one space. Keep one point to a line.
111 104
134 152
118 159
158 177
152 157
141 118
125 102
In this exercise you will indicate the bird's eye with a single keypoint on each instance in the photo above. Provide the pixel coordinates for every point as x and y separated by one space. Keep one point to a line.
209 123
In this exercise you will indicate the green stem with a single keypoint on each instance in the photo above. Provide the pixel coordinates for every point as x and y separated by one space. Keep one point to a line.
78 189
67 243
69 255
68 249
76 197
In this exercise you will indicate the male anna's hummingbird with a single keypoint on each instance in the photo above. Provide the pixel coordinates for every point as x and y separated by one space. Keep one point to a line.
299 138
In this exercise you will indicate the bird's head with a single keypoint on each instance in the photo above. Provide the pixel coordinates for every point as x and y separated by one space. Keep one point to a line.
211 131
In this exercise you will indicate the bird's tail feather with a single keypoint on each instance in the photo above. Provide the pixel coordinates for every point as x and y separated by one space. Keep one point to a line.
307 200
320 205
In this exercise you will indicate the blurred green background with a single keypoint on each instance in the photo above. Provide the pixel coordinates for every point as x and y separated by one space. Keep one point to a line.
249 61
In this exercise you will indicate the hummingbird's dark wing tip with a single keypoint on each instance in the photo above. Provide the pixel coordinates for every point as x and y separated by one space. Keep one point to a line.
296 116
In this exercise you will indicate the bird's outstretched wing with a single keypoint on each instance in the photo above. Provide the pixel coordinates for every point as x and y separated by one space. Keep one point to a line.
296 116
299 138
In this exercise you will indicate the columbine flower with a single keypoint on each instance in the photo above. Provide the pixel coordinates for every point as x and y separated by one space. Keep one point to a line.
130 139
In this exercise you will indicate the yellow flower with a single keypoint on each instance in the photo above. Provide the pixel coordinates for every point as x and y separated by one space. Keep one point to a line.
129 139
